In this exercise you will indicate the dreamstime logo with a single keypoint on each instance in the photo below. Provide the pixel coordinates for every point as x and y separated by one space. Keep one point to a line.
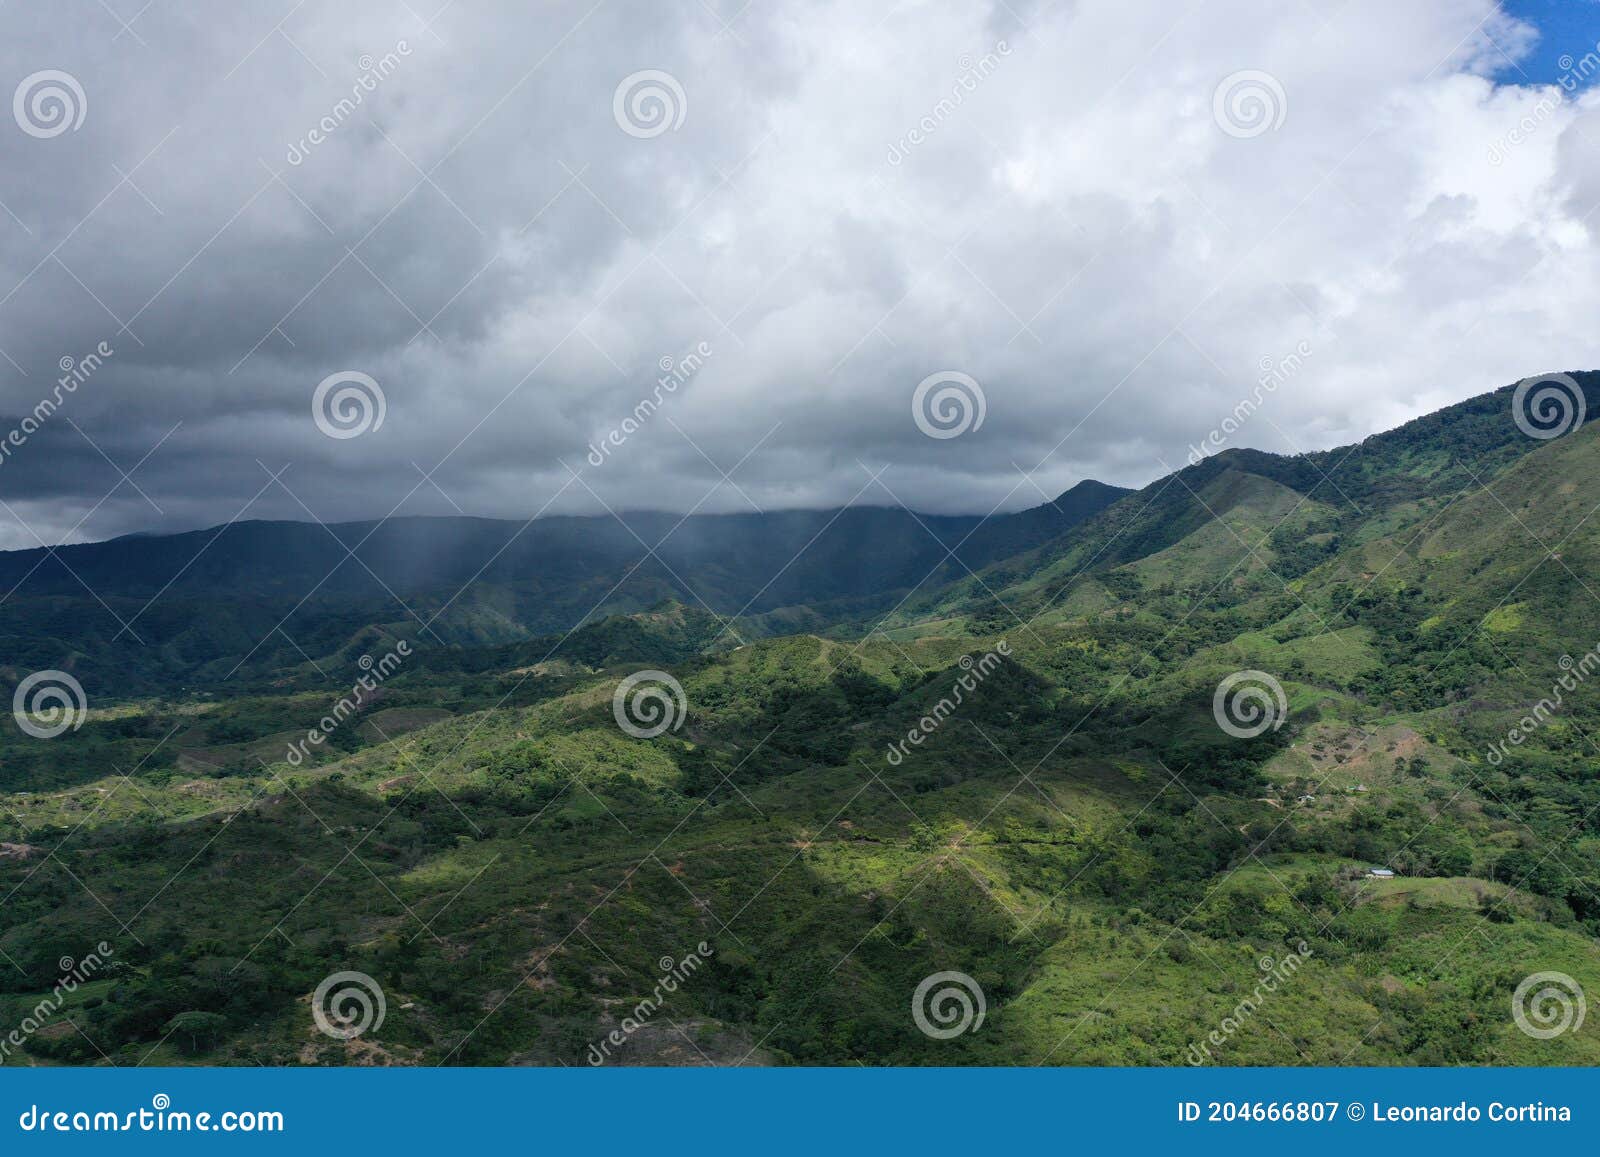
347 1004
72 974
372 73
49 103
1526 126
360 695
1274 973
1258 704
948 1004
648 103
74 373
1548 1004
649 703
948 404
673 374
974 673
1273 375
1249 103
348 404
155 1119
1548 406
1575 673
973 73
1574 75
674 974
48 703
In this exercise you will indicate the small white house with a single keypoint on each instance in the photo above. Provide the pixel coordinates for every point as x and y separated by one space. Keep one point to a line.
1380 873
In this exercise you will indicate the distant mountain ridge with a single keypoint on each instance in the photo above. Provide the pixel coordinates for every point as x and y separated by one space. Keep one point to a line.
414 553
248 602
137 612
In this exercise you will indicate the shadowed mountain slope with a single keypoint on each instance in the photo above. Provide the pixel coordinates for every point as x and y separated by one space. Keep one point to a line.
137 613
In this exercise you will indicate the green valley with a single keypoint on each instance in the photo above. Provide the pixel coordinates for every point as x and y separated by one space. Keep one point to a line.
516 856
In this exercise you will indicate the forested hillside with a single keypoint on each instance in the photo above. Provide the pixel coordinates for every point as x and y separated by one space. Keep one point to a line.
1033 768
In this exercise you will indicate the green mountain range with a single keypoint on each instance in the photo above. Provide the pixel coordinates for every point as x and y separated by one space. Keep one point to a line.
1277 760
238 603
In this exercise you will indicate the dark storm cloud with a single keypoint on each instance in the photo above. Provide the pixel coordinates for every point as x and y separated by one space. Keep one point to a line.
857 197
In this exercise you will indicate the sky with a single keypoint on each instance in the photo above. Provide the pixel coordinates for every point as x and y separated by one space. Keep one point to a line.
353 260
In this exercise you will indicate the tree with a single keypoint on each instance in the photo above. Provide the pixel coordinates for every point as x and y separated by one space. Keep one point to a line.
196 1032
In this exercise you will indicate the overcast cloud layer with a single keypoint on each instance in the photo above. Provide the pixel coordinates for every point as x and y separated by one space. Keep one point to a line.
1078 226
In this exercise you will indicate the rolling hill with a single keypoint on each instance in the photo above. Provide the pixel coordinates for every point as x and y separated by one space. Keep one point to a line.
1021 775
